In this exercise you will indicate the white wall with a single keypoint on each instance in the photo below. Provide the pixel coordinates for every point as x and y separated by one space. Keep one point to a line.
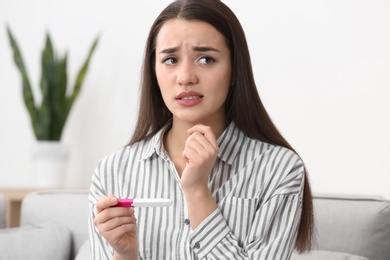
322 69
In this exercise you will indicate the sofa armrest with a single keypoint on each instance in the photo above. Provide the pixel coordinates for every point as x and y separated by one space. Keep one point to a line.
326 255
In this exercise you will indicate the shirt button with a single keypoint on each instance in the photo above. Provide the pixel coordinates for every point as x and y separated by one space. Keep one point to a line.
197 245
187 221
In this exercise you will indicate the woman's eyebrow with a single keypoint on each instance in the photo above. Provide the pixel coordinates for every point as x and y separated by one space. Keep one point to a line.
196 48
204 48
169 50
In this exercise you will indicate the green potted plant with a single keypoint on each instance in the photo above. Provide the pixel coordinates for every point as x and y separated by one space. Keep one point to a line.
48 118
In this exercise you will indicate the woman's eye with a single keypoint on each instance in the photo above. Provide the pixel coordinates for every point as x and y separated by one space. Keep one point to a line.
170 61
206 60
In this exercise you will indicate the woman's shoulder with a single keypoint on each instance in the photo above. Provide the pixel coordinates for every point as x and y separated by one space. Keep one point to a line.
235 143
134 150
272 152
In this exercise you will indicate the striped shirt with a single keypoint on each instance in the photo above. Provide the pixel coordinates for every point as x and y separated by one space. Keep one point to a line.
258 188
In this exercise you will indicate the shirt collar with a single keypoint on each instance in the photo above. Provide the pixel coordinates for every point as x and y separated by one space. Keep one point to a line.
230 143
154 145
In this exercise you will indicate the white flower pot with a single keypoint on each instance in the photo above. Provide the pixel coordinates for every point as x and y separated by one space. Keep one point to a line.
49 163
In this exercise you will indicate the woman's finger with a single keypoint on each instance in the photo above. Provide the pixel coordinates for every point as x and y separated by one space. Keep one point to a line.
106 203
115 223
206 131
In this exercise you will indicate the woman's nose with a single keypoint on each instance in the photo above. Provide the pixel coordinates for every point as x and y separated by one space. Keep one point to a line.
186 74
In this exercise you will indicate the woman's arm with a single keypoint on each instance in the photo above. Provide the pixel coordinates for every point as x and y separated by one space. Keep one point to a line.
271 237
274 220
201 150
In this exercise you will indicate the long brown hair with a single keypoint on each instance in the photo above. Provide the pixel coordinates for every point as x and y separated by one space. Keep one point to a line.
243 105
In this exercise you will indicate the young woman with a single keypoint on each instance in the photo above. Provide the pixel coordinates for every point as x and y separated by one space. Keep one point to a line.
204 140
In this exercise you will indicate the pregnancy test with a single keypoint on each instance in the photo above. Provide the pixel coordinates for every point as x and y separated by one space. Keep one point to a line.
130 203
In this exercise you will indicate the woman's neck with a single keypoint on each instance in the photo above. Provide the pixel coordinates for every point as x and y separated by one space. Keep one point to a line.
178 132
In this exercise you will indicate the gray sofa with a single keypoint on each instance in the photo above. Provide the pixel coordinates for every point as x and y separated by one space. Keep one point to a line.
54 226
349 226
3 211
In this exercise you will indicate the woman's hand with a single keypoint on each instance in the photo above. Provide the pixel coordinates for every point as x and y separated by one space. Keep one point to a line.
118 226
200 151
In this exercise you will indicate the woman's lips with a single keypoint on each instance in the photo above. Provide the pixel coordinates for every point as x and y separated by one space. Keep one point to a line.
189 98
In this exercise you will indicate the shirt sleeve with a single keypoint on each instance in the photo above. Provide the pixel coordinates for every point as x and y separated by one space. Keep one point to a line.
273 229
99 247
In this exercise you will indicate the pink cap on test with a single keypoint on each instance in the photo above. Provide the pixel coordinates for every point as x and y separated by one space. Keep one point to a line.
128 203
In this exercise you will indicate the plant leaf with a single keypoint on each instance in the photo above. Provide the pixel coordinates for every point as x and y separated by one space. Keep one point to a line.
27 92
46 111
80 79
60 98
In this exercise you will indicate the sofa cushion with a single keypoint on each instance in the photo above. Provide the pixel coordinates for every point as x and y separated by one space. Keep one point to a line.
358 226
326 255
44 242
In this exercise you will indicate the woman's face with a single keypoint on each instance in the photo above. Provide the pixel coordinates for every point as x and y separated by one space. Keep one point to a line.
193 69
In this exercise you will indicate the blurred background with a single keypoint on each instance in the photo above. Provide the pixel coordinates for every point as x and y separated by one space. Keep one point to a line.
322 69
